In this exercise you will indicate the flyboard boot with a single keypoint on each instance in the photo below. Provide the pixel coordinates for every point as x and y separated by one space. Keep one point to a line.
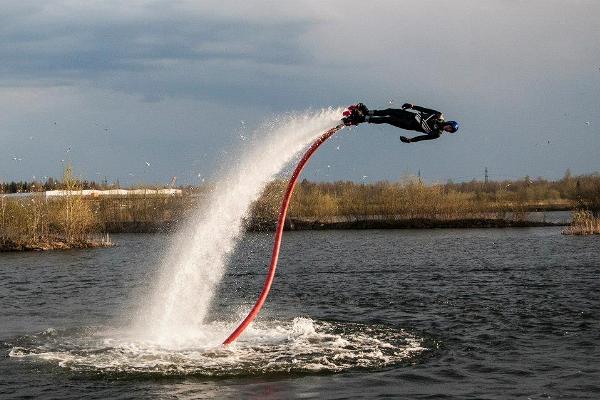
354 114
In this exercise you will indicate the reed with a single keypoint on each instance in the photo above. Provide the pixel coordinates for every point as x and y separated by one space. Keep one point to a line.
408 199
72 218
584 223
34 222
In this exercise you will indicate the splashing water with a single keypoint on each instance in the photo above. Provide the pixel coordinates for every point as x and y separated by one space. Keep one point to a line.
197 259
299 346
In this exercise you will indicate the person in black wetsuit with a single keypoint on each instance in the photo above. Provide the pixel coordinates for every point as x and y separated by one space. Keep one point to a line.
410 117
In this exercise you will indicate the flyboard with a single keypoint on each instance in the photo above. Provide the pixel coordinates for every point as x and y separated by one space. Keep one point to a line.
279 231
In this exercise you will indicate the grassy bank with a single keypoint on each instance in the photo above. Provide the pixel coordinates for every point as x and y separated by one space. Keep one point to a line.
36 221
410 203
33 223
584 223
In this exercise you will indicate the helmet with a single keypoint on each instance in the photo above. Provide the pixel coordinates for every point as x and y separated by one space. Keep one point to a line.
453 124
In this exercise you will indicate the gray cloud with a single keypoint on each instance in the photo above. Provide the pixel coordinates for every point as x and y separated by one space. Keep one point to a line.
161 51
176 77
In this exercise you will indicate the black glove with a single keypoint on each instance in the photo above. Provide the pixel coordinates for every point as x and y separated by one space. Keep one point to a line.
404 139
406 105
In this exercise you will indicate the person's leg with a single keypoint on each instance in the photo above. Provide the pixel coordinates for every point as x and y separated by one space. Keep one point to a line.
402 121
392 112
380 120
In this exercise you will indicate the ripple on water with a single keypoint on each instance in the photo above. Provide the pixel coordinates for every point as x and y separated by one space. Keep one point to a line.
298 346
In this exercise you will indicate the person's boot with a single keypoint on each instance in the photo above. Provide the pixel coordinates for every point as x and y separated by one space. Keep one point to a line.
353 115
349 111
362 109
358 118
353 119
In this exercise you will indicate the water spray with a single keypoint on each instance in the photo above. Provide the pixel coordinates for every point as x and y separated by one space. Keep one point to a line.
279 233
185 285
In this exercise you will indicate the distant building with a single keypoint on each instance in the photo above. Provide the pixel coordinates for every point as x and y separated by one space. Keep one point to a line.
97 193
16 195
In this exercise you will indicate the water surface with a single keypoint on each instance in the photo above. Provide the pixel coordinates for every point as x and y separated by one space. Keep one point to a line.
496 313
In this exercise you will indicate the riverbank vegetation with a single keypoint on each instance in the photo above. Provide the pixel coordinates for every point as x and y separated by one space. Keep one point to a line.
586 217
410 204
584 223
34 223
37 221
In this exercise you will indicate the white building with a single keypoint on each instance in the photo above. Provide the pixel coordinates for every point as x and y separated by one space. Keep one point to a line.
98 193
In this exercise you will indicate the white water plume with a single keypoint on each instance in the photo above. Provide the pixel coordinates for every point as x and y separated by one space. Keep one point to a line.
198 256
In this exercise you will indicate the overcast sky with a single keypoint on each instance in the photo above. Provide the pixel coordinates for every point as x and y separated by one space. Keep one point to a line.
112 86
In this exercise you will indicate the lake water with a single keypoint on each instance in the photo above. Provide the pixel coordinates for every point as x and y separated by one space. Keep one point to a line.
449 314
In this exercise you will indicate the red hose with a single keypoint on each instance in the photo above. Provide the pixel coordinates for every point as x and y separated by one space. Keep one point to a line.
279 233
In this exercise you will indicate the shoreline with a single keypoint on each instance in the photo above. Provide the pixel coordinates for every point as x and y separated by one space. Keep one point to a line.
414 223
290 225
56 244
294 224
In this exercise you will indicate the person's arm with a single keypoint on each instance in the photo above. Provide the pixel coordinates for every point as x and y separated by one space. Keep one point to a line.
431 136
436 113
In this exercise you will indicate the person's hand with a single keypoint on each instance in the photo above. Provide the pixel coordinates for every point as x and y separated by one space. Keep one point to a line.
404 139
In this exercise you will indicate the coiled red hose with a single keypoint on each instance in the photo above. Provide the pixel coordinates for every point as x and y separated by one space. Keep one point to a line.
279 233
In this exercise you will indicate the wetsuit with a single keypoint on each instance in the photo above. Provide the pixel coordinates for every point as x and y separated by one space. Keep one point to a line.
421 120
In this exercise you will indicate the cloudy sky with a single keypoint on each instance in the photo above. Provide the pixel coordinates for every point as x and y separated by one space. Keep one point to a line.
110 85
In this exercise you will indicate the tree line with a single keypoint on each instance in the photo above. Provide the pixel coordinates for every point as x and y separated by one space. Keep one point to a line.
411 198
74 217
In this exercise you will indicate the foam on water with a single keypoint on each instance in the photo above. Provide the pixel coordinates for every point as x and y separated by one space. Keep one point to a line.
300 346
197 259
